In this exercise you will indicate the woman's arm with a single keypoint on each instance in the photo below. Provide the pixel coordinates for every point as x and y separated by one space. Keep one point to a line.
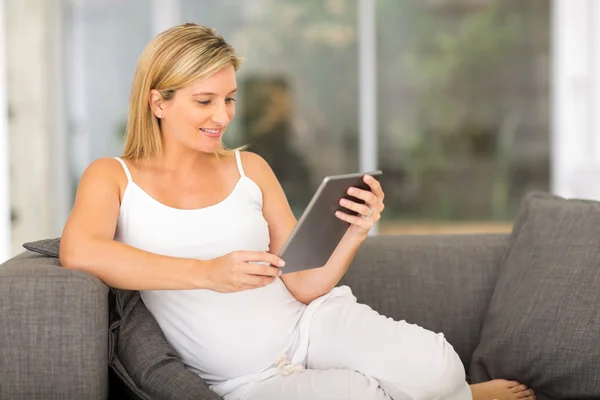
310 284
88 244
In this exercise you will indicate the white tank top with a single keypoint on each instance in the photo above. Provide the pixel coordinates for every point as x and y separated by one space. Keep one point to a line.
220 336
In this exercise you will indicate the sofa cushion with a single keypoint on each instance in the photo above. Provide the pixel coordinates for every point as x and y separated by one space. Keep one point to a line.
443 283
543 323
48 247
143 358
139 354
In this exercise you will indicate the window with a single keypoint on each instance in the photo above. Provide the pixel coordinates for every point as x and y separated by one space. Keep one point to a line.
463 108
462 95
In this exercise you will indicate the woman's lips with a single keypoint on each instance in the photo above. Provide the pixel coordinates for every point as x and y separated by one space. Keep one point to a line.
213 133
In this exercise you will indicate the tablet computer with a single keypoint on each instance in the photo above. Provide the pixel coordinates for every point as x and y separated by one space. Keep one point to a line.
318 230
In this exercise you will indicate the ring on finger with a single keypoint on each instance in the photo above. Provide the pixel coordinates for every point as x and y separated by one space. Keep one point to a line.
369 213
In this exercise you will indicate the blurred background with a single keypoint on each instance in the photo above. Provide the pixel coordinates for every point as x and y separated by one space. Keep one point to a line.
466 105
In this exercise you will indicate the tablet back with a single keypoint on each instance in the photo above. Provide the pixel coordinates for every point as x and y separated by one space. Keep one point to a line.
319 231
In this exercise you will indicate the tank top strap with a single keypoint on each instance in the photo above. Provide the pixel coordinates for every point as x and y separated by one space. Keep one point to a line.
129 180
238 159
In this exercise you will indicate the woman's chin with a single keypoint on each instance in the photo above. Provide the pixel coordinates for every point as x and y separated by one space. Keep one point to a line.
209 148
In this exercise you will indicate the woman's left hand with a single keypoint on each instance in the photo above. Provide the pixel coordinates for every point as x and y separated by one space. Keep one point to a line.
368 213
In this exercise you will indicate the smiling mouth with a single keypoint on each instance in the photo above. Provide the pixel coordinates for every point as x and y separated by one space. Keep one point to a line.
211 132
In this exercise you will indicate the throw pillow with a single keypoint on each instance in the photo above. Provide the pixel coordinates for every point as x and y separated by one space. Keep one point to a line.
139 354
145 361
47 247
543 323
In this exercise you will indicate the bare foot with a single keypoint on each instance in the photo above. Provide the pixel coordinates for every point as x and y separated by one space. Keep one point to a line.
501 389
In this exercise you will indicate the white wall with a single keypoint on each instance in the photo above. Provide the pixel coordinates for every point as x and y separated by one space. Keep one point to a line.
29 55
575 145
5 225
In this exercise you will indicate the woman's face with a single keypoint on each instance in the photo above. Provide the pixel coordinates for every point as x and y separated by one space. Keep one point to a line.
196 116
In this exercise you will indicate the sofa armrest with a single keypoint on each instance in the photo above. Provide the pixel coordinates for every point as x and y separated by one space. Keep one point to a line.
443 282
53 335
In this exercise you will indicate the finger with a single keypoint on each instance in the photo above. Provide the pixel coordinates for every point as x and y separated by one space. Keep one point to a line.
351 205
249 282
262 256
365 195
254 281
364 223
262 270
375 186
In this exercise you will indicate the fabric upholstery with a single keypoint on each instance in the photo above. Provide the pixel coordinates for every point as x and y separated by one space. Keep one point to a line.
49 247
143 358
53 336
138 352
442 283
543 324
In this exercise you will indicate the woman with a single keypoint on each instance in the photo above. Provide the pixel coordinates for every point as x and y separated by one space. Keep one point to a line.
194 227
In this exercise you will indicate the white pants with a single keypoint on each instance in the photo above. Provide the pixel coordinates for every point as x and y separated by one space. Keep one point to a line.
356 353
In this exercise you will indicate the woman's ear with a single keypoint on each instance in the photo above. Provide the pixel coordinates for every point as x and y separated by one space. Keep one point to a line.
156 103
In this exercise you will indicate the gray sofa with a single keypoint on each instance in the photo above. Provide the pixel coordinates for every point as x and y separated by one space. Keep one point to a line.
54 341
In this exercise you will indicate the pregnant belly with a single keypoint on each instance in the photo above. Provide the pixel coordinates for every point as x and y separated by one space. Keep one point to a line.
223 336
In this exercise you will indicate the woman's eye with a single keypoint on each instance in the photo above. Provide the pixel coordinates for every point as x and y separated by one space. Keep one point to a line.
207 102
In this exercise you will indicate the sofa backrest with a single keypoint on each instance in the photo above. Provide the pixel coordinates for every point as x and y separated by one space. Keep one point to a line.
443 283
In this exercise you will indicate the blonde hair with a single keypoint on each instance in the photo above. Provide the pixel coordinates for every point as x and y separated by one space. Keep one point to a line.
176 58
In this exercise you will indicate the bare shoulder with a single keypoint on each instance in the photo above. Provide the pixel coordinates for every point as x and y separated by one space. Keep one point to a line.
104 167
96 207
105 171
258 169
254 162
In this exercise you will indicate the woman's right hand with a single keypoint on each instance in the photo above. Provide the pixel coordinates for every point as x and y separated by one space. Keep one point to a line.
242 270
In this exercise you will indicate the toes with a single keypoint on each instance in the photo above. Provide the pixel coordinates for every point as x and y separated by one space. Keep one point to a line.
512 384
526 394
519 388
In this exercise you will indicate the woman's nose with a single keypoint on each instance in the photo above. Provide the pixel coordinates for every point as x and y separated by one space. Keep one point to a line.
221 115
